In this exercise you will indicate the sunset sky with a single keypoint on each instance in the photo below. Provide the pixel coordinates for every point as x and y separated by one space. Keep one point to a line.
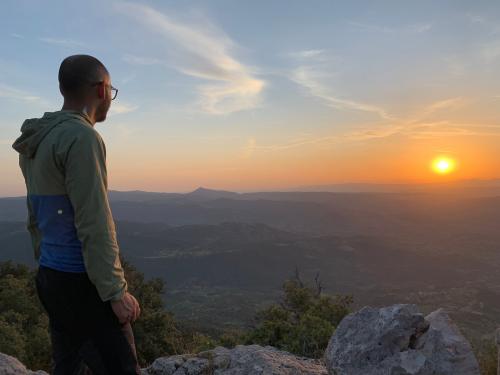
266 95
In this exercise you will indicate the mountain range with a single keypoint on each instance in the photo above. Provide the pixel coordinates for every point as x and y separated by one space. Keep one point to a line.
223 255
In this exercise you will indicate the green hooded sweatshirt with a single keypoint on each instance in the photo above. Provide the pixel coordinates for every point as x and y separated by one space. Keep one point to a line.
63 161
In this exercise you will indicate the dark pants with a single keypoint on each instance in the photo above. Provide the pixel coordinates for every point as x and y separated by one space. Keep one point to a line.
84 330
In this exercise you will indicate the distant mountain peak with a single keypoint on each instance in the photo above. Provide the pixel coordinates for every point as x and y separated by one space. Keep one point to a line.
211 193
201 189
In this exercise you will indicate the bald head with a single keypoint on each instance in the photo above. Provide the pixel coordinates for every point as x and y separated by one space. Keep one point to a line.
86 86
78 72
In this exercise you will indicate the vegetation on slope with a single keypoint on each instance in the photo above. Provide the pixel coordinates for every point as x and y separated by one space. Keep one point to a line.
301 322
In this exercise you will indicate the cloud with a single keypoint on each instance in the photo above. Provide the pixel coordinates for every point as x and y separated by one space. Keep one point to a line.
491 27
491 51
15 35
370 28
423 130
121 108
474 18
67 43
374 133
301 142
456 66
447 104
249 148
309 78
413 128
122 130
412 29
16 94
307 54
141 60
201 50
444 129
420 28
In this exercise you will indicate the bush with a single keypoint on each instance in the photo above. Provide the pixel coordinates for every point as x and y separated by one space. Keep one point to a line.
303 322
23 322
487 355
24 328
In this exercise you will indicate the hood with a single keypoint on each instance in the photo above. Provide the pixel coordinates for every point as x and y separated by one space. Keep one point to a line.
34 130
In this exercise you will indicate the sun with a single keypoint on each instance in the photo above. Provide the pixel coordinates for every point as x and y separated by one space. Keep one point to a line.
443 165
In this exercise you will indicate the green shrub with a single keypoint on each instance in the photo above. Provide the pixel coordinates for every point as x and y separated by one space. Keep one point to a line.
303 322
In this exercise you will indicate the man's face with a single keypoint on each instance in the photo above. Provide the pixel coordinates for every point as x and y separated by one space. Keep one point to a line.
105 101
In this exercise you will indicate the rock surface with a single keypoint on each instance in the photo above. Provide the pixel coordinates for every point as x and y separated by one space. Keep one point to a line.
242 360
395 340
11 366
399 340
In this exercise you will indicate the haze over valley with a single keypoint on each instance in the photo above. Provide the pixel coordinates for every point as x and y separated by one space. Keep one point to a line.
224 255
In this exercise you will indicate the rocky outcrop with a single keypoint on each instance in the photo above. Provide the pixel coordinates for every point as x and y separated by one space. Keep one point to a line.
11 366
241 360
395 340
399 340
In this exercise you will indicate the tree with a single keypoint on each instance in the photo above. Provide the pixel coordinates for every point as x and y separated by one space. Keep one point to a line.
156 333
23 322
303 322
24 331
486 353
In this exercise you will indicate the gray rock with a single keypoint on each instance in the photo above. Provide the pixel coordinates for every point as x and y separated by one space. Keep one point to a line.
161 366
395 340
11 366
242 360
445 348
398 340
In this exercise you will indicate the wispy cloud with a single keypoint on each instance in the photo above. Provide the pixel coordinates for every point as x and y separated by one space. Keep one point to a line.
490 26
370 28
306 54
298 142
450 104
418 127
418 28
141 60
428 122
309 78
121 108
67 43
249 148
490 52
122 130
424 125
423 130
16 35
445 129
16 94
456 66
203 51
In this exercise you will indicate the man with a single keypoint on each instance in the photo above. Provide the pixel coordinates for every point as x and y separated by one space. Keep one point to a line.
80 280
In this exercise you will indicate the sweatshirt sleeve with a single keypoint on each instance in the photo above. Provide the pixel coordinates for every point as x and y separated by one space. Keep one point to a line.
86 186
31 223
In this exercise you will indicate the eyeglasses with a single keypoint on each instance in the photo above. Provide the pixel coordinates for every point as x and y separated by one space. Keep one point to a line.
114 90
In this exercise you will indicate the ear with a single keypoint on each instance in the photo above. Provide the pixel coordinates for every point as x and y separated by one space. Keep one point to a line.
100 91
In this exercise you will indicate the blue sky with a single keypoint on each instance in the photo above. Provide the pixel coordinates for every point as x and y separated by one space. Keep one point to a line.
265 94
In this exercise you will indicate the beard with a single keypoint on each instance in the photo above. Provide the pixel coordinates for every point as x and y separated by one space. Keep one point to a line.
102 111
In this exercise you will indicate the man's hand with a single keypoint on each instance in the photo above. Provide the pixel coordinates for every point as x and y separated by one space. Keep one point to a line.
127 309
